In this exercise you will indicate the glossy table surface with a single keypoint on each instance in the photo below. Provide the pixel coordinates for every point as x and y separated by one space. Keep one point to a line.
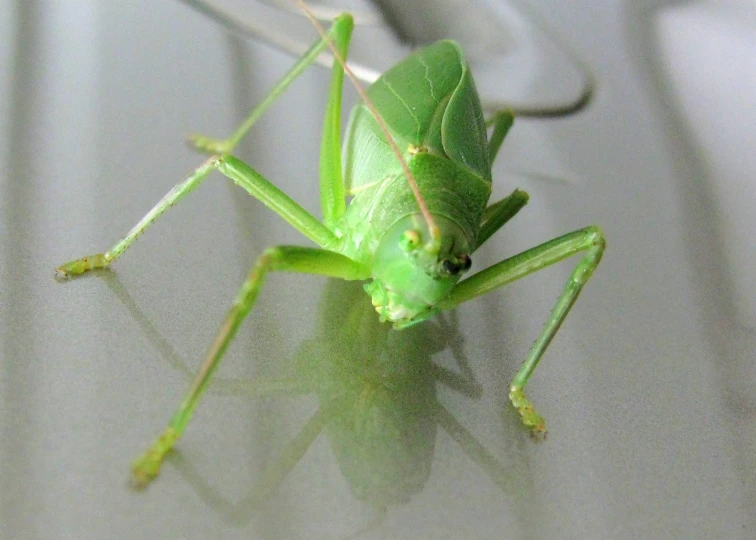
648 389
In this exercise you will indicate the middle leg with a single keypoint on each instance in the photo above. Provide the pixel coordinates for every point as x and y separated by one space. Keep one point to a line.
499 213
242 175
591 240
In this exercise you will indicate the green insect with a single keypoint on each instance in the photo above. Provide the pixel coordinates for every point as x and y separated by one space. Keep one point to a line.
416 163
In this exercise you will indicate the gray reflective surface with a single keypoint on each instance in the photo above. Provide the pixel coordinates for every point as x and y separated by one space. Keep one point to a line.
647 390
543 74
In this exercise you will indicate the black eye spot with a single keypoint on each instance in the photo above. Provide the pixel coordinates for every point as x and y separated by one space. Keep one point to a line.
409 240
465 261
450 267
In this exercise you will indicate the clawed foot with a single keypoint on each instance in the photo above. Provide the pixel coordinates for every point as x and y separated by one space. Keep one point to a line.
79 266
146 467
530 418
211 146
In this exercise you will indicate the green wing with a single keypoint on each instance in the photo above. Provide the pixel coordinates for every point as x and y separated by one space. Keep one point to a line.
429 100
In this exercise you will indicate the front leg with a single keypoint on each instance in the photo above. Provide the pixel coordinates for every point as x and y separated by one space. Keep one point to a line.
284 258
591 240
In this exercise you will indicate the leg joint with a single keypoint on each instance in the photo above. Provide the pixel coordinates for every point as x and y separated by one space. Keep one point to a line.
596 238
585 268
270 256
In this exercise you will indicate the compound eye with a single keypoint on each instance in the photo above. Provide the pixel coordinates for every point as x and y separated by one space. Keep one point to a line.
452 268
465 262
410 240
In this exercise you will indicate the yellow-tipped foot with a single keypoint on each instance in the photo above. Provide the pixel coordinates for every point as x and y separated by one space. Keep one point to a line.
530 418
79 266
143 471
146 467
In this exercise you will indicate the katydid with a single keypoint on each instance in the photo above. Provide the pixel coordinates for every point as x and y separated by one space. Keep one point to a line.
416 215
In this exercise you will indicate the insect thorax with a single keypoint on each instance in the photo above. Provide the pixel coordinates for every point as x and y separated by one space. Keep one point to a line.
432 111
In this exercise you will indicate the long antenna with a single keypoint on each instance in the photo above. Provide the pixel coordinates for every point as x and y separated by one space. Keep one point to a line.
378 118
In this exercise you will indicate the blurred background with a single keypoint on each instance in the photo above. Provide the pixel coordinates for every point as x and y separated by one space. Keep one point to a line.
634 115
